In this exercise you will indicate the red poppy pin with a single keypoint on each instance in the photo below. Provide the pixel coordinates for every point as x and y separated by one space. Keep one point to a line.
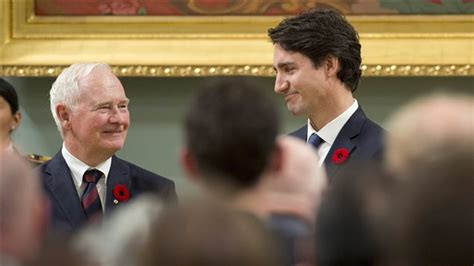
340 155
120 193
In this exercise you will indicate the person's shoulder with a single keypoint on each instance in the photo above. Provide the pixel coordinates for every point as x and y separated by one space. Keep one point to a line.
300 133
36 159
142 173
369 126
374 129
146 181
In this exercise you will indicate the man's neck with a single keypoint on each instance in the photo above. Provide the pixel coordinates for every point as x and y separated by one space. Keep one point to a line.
334 106
251 200
92 159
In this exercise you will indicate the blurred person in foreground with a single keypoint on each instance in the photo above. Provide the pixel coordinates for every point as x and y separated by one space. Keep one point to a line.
351 216
23 211
317 61
432 214
210 233
120 238
428 129
233 152
85 179
431 151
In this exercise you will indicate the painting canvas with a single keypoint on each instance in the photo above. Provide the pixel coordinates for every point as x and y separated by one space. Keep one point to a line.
225 37
246 7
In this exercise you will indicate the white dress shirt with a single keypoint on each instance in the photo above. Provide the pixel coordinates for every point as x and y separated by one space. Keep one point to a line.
330 131
78 168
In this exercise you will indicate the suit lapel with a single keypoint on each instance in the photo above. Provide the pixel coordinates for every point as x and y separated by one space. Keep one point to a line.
119 174
345 139
59 180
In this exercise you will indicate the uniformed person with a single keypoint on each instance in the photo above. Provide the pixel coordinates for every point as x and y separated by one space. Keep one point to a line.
10 118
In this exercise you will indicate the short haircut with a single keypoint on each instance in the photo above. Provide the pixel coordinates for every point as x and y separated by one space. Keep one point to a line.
231 129
7 92
65 89
318 34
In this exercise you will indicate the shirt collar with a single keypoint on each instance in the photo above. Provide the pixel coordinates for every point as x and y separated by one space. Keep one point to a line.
330 131
78 168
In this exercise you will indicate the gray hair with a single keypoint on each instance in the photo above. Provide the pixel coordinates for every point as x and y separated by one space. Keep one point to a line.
65 90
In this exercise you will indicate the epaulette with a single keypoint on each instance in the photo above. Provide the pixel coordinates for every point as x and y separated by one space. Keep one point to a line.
37 159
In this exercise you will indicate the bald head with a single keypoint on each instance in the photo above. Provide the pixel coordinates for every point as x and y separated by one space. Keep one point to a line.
428 129
296 185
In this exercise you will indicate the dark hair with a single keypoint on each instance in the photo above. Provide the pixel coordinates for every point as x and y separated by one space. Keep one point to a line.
347 221
231 129
9 94
319 33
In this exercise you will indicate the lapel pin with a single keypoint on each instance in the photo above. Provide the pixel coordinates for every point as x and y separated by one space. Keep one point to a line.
120 193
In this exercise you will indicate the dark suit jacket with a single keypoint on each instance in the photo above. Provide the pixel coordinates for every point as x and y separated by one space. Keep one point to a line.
294 236
67 214
363 139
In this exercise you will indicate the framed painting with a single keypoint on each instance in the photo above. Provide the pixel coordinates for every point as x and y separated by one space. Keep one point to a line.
225 37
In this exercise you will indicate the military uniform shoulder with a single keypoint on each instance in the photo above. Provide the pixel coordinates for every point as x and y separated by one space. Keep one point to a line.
37 159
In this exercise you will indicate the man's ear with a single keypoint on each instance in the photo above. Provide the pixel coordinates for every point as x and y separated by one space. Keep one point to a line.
276 158
63 113
188 164
331 66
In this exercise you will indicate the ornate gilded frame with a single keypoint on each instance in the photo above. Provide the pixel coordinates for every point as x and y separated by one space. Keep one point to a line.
420 45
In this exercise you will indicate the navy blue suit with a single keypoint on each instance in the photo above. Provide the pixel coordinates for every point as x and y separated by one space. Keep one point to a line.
67 214
361 137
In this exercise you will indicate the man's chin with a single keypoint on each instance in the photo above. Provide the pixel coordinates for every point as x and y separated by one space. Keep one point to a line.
113 147
295 111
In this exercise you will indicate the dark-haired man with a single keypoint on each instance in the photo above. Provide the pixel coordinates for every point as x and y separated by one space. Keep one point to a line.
232 150
317 62
231 130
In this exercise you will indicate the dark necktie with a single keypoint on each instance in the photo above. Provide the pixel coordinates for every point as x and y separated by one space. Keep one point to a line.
315 140
90 198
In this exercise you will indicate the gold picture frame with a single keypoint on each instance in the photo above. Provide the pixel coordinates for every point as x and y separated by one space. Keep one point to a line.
396 45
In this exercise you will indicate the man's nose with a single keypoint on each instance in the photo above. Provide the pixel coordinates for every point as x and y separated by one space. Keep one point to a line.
281 85
118 116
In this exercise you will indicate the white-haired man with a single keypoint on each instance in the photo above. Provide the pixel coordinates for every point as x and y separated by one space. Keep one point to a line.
85 179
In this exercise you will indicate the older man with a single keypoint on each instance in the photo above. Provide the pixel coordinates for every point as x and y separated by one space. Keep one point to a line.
85 179
428 130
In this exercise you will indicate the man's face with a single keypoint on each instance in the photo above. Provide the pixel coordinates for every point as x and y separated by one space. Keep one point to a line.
298 81
100 119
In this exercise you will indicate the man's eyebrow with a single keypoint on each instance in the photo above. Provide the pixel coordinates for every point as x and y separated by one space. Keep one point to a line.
284 64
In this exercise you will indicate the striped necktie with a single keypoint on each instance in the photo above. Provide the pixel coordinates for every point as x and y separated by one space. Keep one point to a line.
90 199
315 140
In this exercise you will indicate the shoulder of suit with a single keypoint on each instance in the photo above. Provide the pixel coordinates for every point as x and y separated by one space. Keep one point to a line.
300 132
37 159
